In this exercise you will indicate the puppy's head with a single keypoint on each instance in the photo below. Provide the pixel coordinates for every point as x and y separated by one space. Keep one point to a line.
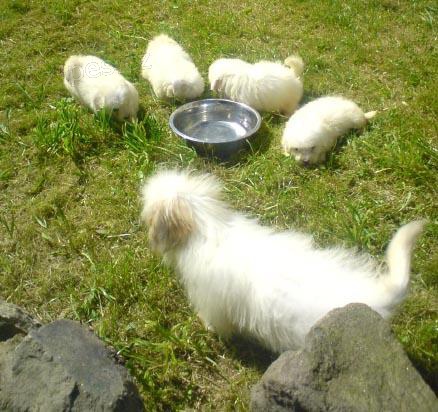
180 90
306 156
308 147
129 107
73 70
189 88
124 102
172 205
221 69
215 75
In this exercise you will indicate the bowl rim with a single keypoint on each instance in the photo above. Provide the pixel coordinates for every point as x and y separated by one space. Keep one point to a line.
189 105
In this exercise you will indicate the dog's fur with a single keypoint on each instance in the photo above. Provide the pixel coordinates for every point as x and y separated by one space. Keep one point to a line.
265 86
98 85
170 70
313 129
245 278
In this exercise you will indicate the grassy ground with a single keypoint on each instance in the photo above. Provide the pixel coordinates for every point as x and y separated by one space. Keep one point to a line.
70 240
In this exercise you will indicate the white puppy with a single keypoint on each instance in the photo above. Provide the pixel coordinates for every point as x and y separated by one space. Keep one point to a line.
242 277
98 85
170 70
313 129
265 86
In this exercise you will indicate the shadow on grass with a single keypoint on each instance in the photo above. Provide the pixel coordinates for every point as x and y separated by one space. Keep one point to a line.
430 376
332 162
250 353
276 119
259 144
309 96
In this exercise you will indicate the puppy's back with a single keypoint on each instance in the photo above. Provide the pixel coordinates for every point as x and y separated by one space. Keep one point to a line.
338 112
170 69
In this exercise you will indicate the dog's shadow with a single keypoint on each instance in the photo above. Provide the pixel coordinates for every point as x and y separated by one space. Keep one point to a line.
430 375
250 353
309 96
259 144
332 162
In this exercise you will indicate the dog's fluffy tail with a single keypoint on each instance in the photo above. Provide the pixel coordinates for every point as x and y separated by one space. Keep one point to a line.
398 257
370 115
296 64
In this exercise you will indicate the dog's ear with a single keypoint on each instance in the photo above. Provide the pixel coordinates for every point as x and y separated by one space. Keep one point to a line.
170 225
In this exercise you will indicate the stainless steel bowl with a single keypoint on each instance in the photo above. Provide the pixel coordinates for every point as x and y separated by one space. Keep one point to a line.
216 127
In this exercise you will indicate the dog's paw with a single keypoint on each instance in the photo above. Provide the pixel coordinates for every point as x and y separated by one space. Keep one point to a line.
206 324
210 328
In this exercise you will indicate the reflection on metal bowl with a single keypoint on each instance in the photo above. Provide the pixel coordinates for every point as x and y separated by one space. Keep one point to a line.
215 127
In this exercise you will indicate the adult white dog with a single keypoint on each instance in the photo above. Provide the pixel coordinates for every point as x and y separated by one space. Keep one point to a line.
265 86
98 85
170 70
245 278
313 129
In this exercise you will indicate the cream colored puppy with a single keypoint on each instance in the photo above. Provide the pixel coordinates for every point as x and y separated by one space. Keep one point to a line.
98 85
313 129
170 70
265 86
243 277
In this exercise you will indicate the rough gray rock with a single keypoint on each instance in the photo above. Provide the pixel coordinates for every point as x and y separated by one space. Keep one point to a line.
61 366
350 362
13 321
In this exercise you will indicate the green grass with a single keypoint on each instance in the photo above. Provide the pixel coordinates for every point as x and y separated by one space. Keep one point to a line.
70 240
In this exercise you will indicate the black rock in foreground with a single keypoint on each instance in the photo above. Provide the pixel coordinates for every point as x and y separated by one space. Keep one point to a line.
350 362
61 366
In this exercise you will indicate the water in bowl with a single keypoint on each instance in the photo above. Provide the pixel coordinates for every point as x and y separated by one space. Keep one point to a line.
217 131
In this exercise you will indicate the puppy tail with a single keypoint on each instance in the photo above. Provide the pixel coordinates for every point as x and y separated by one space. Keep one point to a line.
398 257
296 64
370 115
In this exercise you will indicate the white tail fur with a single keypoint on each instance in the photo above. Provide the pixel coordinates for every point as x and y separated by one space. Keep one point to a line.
296 64
399 254
370 115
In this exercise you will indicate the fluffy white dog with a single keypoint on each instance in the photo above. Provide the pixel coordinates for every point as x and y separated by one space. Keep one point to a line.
265 86
98 85
313 129
170 70
242 277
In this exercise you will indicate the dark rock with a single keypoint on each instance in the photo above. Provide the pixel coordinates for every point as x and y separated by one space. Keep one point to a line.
350 362
13 321
64 367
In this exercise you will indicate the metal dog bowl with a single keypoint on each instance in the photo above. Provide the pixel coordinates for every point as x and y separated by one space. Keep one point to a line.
215 127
